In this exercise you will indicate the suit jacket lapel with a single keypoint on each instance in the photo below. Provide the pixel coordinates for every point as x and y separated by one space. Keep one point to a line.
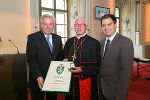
102 47
54 43
112 44
44 42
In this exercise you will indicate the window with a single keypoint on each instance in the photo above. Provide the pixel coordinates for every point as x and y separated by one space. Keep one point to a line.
57 8
117 15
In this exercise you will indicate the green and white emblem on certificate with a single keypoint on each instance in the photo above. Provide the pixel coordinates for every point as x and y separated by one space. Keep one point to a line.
58 78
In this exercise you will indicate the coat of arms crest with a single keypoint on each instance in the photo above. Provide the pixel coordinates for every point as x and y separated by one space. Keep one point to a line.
60 68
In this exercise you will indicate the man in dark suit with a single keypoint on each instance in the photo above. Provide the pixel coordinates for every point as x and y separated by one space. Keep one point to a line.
116 62
42 47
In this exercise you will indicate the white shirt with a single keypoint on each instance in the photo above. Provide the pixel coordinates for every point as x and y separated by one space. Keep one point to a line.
111 38
81 36
50 38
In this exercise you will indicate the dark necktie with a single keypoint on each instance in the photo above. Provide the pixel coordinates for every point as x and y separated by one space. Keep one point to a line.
107 45
49 44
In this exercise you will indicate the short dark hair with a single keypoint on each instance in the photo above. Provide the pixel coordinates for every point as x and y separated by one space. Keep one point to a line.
109 16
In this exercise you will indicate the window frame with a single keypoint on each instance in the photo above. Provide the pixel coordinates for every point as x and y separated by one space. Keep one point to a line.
118 18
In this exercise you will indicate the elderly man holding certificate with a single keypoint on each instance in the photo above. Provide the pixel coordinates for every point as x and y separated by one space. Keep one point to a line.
84 51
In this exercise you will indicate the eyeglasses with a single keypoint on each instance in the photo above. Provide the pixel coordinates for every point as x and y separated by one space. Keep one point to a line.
82 25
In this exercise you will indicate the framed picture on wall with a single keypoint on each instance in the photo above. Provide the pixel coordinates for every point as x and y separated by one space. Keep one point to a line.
101 11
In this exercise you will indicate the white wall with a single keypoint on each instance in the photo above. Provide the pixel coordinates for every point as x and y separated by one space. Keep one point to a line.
18 18
34 15
96 26
14 25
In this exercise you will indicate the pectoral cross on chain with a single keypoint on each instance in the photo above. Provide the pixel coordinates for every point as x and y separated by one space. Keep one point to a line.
74 57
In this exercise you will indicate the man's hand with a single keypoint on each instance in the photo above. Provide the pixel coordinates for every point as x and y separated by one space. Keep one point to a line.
77 70
40 81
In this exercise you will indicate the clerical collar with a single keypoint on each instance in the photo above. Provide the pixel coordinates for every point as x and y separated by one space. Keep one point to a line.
81 36
112 37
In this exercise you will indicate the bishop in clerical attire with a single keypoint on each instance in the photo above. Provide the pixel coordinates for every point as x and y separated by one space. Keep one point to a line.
84 51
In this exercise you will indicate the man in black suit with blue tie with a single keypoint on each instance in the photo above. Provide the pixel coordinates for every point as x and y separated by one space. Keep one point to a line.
42 47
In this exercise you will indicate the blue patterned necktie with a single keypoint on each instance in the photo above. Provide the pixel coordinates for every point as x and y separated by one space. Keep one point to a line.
49 44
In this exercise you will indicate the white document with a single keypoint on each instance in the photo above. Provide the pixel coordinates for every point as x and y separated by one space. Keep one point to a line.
58 78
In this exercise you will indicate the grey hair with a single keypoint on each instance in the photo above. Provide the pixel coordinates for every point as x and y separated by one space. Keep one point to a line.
81 18
46 15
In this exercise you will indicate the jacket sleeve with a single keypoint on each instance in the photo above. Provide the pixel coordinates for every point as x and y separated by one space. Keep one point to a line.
92 69
31 54
127 56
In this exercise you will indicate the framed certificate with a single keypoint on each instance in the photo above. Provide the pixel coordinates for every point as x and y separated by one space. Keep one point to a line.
58 78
